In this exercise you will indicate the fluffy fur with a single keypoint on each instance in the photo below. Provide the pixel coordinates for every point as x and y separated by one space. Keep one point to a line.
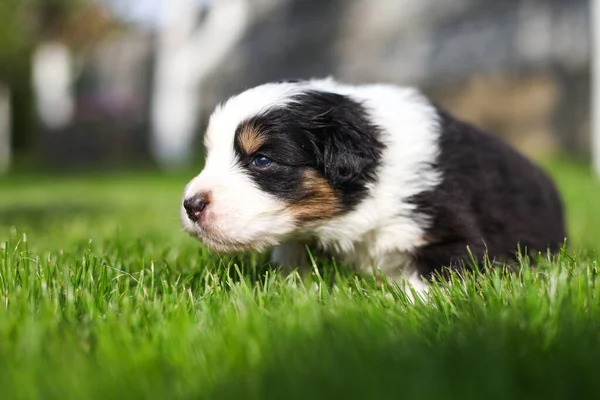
375 175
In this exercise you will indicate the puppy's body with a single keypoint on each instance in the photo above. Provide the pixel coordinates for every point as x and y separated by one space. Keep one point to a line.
374 174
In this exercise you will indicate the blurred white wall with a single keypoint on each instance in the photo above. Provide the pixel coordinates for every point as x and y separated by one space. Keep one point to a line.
52 81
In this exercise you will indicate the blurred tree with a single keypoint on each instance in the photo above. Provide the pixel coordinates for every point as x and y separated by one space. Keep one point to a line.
15 46
12 42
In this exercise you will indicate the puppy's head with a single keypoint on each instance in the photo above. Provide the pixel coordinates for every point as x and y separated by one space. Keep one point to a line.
281 159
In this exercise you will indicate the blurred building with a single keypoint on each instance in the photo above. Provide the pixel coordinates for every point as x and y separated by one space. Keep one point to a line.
517 67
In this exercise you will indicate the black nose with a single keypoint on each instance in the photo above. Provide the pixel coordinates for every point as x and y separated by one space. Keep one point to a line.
194 206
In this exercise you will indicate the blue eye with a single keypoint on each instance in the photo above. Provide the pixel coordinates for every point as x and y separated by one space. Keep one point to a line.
261 161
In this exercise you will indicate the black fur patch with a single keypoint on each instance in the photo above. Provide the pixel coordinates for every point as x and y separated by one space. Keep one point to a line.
491 199
291 80
324 131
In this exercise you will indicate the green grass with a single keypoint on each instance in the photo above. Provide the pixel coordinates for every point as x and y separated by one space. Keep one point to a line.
102 296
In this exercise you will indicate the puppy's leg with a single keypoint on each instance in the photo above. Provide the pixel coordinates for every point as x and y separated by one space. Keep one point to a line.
445 256
409 279
290 256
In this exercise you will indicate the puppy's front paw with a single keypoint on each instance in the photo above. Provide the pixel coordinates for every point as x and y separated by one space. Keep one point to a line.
290 257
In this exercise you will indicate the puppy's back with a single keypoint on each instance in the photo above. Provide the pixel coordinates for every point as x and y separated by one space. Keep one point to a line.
491 198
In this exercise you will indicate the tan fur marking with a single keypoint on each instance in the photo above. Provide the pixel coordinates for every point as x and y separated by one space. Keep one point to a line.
428 238
321 201
250 139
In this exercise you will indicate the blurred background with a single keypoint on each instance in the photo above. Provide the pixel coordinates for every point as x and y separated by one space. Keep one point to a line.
110 84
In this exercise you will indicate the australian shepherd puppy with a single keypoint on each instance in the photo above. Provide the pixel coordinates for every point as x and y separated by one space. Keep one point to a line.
374 175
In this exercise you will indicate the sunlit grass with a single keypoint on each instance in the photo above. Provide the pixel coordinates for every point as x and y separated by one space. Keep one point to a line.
102 296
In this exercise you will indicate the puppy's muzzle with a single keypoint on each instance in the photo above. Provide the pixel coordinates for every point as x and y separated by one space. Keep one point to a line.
196 205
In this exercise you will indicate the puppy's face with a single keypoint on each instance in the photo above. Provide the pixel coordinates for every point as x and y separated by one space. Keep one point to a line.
278 172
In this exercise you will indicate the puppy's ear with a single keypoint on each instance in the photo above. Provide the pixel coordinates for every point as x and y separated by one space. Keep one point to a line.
347 158
346 142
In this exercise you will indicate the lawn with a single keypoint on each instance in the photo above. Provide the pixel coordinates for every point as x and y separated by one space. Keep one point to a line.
102 296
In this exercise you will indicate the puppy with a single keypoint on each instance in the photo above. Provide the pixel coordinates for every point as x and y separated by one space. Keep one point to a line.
375 175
